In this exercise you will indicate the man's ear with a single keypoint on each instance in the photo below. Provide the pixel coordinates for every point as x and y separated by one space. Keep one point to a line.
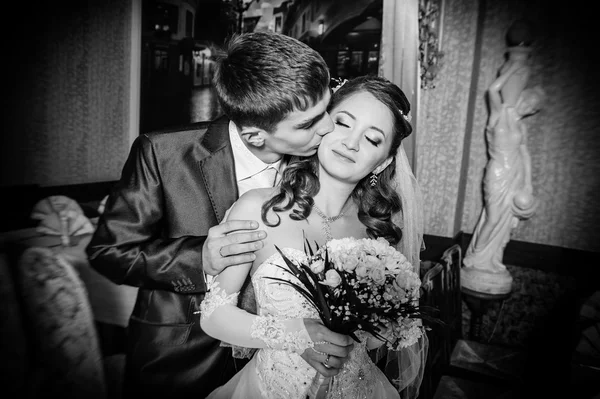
253 136
383 165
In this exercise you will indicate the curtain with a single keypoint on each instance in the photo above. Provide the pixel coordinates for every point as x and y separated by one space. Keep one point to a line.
399 57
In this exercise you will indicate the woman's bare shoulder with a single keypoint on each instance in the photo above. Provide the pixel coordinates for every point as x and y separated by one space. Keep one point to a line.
250 203
257 195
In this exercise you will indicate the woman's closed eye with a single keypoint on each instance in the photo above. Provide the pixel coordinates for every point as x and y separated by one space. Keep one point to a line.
375 142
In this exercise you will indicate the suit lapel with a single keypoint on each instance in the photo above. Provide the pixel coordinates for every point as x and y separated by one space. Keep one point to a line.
218 169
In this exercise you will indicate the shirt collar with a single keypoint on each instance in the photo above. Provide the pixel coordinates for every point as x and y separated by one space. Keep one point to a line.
246 163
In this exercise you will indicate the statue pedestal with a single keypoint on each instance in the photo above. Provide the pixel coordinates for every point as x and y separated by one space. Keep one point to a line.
485 281
478 303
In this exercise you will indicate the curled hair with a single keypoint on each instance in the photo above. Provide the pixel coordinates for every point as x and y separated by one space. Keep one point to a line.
261 77
376 205
299 184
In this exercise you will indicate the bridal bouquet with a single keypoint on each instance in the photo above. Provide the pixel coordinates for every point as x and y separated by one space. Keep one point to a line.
362 284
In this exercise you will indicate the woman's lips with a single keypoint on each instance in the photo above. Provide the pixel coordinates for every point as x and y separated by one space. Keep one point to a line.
343 156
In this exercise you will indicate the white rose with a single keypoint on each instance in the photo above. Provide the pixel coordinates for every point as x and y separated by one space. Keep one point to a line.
332 278
371 261
402 281
377 274
348 262
361 270
317 266
391 264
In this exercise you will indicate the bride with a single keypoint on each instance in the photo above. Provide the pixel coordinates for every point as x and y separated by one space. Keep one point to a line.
346 190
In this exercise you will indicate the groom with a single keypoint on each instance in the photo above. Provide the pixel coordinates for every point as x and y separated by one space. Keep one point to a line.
160 230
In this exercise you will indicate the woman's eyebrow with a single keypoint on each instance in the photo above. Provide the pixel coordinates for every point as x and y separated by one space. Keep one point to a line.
349 114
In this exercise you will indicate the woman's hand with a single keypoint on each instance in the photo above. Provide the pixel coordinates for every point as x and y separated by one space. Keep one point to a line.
330 351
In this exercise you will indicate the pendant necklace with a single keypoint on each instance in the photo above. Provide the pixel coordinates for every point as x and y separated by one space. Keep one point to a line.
327 221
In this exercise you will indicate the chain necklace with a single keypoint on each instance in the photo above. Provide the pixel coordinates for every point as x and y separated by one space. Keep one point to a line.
327 221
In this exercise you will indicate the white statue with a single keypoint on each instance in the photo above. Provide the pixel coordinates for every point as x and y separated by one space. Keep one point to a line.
508 192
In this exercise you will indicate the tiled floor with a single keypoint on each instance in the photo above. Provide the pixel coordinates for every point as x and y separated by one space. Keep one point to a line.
460 388
493 361
484 371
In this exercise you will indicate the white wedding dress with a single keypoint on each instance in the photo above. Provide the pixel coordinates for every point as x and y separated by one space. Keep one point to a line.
275 373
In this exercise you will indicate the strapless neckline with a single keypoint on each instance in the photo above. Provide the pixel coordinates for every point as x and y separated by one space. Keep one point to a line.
293 253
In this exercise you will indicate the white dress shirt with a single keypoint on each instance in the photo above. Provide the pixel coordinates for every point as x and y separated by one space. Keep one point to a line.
250 171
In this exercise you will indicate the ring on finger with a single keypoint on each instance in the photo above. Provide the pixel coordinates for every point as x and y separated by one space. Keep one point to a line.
221 253
326 362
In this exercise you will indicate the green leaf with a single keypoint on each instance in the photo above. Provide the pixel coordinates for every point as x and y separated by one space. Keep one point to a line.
307 248
294 270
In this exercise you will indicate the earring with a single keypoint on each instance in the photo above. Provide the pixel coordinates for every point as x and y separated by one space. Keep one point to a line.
373 179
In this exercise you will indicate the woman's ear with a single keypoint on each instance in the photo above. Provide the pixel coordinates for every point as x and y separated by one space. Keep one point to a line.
383 165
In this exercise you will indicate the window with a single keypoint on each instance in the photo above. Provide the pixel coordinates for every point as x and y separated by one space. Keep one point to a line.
250 23
343 60
164 17
161 60
278 23
303 23
357 60
189 24
373 62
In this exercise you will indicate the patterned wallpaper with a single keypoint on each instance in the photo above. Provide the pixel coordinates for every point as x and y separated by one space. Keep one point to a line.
564 139
442 120
70 121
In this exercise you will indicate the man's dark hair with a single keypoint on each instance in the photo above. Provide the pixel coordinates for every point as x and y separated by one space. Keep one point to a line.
263 76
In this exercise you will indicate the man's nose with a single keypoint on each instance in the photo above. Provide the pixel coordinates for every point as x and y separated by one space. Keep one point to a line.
326 126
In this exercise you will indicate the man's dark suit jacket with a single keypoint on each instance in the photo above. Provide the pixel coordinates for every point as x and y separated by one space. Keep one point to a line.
174 186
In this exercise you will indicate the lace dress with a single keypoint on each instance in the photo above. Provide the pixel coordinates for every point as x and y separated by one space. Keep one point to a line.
274 374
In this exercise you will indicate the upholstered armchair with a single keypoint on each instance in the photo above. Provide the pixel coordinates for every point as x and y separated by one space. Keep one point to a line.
65 356
13 343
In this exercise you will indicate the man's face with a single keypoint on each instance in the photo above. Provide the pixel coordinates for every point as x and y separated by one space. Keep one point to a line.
300 133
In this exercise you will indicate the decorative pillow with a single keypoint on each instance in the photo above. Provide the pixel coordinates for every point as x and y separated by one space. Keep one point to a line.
67 352
60 215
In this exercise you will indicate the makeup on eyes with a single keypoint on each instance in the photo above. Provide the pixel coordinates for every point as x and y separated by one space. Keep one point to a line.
340 120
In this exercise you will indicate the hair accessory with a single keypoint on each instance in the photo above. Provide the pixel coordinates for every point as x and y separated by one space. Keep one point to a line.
407 117
340 83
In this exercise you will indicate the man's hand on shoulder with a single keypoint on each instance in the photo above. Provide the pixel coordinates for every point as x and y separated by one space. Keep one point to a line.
231 243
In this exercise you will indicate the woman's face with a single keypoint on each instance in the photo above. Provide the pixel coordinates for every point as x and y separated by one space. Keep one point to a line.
361 139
